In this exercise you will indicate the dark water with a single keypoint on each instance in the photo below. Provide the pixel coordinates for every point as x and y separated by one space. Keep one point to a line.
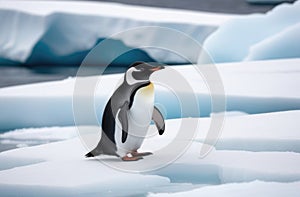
18 75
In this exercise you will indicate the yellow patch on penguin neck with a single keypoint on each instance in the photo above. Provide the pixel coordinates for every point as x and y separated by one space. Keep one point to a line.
148 90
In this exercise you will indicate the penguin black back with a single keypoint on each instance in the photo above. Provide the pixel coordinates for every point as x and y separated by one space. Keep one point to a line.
108 123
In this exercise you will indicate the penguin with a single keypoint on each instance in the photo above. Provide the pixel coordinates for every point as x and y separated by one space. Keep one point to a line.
128 115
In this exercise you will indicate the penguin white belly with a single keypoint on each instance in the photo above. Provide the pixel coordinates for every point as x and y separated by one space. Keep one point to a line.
139 119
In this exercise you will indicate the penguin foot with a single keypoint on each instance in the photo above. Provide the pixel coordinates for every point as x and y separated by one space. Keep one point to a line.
133 158
137 154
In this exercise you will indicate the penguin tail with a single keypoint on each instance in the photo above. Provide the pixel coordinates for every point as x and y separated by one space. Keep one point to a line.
93 153
90 154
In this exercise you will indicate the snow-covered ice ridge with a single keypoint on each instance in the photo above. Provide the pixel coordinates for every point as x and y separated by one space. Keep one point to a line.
34 136
250 87
63 32
273 35
270 167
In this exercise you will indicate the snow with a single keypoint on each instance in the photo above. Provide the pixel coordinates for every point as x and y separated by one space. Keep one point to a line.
50 167
58 32
252 87
238 39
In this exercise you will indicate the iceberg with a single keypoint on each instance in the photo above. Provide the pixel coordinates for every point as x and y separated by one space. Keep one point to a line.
239 38
62 33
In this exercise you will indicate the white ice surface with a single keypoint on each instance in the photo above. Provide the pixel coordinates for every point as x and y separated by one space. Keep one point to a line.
62 32
255 188
250 87
243 35
60 168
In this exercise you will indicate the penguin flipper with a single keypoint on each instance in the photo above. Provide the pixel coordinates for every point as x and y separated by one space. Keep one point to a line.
158 120
123 118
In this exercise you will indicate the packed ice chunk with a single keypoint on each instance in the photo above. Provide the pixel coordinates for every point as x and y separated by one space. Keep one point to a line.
236 38
285 44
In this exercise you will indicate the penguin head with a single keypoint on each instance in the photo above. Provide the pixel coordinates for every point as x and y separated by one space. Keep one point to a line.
141 72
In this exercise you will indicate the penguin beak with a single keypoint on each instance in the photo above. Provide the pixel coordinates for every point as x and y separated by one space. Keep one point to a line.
157 68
